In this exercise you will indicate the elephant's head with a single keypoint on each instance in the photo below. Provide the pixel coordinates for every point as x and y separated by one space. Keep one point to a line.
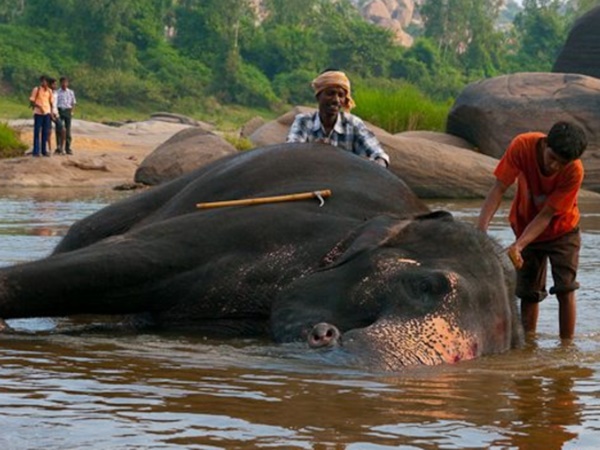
398 292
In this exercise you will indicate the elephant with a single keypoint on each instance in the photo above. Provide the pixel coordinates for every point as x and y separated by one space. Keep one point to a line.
373 276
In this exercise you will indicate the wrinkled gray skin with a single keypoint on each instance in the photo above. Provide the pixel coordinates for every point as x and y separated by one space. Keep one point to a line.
372 274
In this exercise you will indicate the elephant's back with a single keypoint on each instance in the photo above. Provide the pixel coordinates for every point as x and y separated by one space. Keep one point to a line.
360 188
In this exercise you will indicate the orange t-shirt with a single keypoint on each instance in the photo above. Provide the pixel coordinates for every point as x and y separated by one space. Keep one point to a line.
42 99
534 189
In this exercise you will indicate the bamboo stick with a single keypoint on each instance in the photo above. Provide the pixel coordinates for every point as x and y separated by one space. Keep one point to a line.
261 200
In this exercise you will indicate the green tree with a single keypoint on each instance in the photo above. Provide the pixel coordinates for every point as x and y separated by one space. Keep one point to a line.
464 32
283 49
208 30
575 10
541 30
422 65
286 12
108 33
353 44
10 10
583 6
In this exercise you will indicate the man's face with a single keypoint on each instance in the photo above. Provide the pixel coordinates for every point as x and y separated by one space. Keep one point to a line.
552 163
331 100
64 84
44 82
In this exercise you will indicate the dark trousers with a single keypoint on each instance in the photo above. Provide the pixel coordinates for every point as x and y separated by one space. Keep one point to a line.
41 129
65 117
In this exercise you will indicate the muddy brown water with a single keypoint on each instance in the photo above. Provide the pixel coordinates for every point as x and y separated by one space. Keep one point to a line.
114 390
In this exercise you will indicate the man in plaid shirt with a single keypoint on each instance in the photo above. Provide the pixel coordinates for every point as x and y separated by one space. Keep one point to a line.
333 124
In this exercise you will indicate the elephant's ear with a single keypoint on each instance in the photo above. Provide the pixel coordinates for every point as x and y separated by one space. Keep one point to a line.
372 234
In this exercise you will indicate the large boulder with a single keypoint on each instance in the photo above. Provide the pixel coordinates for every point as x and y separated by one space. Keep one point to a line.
490 113
276 131
436 136
437 170
185 151
581 52
432 168
179 118
251 126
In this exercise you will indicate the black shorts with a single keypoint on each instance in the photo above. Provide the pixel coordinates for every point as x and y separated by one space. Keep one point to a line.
563 254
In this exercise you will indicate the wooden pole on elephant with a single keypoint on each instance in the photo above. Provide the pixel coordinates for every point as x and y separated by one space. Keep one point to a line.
262 200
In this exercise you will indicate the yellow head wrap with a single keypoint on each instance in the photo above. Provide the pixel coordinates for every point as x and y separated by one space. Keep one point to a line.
334 78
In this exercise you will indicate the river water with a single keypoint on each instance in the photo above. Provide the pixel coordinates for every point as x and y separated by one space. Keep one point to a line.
115 390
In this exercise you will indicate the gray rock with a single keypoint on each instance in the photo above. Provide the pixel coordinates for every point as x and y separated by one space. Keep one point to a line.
581 52
276 131
251 126
185 151
435 136
180 118
437 170
490 113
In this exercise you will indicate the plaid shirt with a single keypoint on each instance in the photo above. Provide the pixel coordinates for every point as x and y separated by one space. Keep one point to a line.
65 98
349 133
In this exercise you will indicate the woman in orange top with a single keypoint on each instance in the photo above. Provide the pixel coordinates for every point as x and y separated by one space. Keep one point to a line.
544 217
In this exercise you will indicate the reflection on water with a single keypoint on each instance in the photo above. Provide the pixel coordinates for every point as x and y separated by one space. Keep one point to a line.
172 391
33 221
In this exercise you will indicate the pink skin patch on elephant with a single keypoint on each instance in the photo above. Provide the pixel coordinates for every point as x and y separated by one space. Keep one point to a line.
450 343
429 340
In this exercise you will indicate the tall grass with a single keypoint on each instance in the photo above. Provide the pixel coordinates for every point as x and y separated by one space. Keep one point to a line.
10 144
397 109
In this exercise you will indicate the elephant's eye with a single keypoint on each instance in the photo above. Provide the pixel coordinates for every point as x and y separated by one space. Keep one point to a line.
434 284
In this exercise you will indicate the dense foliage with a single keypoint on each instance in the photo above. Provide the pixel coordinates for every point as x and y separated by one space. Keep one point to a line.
190 55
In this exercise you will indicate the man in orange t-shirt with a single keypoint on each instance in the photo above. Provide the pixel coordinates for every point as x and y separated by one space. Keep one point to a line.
544 217
42 103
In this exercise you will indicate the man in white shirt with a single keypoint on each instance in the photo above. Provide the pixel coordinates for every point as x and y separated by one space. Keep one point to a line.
66 102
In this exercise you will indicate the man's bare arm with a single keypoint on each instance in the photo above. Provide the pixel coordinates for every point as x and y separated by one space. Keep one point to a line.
491 204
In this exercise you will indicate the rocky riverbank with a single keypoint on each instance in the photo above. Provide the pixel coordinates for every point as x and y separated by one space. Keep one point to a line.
104 156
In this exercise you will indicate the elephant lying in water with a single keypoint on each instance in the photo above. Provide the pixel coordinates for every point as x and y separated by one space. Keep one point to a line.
372 273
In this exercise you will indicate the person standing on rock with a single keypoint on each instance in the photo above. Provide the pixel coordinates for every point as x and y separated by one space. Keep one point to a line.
54 119
544 217
41 102
333 124
66 102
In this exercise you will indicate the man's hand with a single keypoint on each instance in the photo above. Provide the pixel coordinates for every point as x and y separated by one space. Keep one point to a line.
514 253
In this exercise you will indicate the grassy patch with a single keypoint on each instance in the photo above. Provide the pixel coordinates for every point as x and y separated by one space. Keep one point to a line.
240 143
232 117
225 117
14 108
400 109
17 108
10 144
